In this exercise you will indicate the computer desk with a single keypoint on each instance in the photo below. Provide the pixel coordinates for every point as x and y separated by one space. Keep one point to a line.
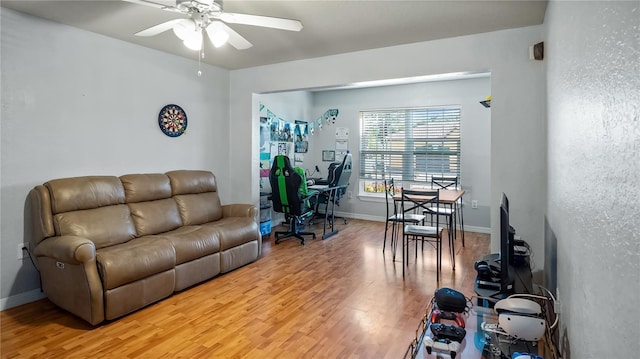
331 193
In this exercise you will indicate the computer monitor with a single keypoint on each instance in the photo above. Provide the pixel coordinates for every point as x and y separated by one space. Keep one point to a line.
506 247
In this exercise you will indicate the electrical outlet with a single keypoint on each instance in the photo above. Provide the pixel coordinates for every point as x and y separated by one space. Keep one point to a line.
21 250
349 194
474 204
557 306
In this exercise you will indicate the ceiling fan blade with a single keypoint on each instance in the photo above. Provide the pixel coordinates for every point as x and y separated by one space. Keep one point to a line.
236 40
158 4
263 21
155 30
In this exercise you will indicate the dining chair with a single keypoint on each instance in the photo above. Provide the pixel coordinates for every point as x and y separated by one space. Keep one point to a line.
415 200
454 211
392 215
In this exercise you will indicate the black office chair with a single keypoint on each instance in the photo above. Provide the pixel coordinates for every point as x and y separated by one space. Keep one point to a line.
287 198
339 174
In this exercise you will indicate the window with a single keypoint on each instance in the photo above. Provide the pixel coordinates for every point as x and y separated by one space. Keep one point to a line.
408 145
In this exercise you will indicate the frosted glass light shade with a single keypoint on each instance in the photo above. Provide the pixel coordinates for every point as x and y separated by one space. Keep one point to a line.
184 29
217 34
194 42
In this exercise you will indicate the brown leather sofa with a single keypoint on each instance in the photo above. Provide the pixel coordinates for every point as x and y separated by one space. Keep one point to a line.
106 246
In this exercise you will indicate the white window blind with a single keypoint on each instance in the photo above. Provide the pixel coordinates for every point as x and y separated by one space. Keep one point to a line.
410 144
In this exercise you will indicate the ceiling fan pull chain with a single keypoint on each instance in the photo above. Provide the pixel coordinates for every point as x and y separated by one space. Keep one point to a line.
200 55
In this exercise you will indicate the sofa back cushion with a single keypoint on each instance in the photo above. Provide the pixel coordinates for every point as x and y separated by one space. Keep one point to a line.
199 208
72 194
196 194
149 198
91 207
146 187
153 217
104 226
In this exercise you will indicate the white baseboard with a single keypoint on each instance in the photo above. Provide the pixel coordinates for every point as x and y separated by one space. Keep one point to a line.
360 216
484 230
20 299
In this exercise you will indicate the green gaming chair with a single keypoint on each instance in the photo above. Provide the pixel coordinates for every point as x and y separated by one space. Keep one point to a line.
289 196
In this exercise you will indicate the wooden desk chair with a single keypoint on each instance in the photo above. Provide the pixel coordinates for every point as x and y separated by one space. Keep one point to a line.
393 218
412 200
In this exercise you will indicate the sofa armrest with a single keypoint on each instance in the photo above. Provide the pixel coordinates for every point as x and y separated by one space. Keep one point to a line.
67 249
240 210
69 276
245 210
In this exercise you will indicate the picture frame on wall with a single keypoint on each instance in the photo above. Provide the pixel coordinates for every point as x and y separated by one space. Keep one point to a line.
328 155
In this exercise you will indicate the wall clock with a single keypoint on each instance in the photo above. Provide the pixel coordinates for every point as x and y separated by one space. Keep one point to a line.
172 120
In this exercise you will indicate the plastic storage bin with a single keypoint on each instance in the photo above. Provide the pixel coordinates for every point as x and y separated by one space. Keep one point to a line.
265 228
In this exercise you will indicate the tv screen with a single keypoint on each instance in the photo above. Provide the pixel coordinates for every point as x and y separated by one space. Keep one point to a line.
506 247
505 202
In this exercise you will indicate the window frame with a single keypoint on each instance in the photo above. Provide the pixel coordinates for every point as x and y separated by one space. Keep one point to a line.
415 144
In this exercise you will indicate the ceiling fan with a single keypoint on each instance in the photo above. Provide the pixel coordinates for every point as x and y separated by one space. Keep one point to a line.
208 16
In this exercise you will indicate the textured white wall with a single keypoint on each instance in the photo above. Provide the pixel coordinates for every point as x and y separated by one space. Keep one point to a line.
75 103
593 55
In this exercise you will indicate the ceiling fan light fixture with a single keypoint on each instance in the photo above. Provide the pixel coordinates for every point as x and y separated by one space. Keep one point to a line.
217 34
220 38
208 15
184 29
194 42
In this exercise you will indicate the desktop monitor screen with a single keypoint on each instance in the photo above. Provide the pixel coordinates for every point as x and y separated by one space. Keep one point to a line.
506 246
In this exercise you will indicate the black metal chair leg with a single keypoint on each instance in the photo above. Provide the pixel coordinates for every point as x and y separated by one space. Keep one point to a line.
459 209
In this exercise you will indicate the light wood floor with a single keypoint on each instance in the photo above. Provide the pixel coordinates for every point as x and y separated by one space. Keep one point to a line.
336 298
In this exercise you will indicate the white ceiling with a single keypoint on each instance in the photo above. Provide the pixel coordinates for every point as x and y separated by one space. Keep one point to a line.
330 26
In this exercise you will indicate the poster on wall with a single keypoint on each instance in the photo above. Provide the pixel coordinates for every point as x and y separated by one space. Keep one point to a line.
301 136
265 151
283 148
279 137
287 134
342 133
275 131
264 135
281 131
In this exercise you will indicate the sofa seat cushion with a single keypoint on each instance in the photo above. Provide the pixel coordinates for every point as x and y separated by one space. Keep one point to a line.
192 242
235 231
134 260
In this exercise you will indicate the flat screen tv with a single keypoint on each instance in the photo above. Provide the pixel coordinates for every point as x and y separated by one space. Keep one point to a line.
506 247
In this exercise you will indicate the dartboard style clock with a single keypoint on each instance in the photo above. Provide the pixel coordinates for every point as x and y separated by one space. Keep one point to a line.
172 120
